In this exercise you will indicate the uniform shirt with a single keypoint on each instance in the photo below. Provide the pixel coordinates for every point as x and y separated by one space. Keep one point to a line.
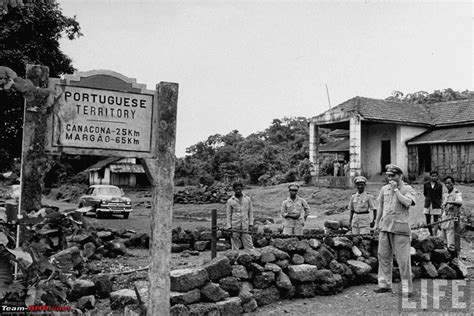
454 196
239 213
298 206
394 213
361 203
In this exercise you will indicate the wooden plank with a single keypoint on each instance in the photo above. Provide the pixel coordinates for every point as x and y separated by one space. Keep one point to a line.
160 172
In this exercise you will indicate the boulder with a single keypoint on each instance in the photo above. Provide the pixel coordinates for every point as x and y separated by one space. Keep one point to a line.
342 242
272 267
323 276
358 267
179 310
264 280
372 278
207 309
429 270
255 267
231 306
184 280
416 272
302 246
218 268
231 285
314 243
297 259
446 272
240 272
266 296
261 242
232 256
105 235
255 254
327 288
438 242
356 252
283 281
426 245
82 288
343 255
205 235
185 298
283 263
88 250
245 293
115 248
103 286
334 225
222 246
286 245
336 267
328 241
244 259
302 272
121 298
212 292
202 245
315 258
459 267
269 252
250 306
440 255
68 259
327 255
305 289
86 303
339 282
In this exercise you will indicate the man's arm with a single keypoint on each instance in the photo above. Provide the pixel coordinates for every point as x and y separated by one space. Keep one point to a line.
407 199
283 211
351 209
228 211
250 213
373 208
380 212
306 209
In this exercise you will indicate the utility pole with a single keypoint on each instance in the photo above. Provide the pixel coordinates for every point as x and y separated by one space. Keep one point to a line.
327 92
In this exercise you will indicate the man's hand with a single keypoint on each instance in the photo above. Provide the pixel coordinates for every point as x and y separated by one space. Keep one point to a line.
250 228
393 184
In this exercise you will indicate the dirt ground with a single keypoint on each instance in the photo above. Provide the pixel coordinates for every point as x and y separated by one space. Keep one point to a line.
322 201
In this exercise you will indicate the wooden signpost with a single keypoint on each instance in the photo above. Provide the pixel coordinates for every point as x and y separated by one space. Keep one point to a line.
107 114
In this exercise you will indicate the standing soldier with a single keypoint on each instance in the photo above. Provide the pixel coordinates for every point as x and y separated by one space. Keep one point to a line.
294 211
360 205
452 201
433 192
395 199
239 211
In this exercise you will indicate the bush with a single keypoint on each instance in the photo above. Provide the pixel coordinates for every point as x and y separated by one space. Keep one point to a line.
206 179
291 175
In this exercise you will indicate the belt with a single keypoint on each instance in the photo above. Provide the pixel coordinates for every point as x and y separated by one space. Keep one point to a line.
366 212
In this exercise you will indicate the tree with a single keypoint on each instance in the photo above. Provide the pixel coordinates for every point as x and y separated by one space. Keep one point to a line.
423 97
30 34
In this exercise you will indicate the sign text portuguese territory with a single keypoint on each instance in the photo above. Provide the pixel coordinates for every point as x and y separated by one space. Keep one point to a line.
103 119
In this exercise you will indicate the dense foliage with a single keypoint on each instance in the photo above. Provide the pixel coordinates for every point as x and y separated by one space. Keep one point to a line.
29 34
423 97
267 157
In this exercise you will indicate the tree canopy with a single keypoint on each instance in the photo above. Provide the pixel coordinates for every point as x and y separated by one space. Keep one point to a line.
29 34
423 97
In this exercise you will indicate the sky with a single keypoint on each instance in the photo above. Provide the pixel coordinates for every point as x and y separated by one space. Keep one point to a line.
241 64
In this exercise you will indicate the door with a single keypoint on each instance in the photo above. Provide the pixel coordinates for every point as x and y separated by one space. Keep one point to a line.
424 159
385 155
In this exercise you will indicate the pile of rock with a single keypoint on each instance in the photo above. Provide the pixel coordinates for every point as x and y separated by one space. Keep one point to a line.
202 195
198 239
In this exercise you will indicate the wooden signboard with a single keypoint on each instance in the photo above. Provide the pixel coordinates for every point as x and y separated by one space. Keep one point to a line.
103 113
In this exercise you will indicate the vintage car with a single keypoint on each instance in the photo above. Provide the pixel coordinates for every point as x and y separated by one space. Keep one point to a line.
105 200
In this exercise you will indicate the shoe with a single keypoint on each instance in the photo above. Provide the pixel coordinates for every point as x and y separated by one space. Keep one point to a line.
383 290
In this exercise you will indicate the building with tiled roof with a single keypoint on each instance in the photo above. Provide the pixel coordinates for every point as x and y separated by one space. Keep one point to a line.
417 137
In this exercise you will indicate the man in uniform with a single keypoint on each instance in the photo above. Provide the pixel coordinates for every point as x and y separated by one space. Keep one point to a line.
433 192
452 201
360 205
294 211
239 215
395 199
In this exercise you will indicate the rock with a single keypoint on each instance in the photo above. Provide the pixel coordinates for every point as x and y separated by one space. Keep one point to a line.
205 235
272 267
314 243
440 255
315 258
93 267
185 298
302 246
372 278
323 276
329 242
212 292
179 310
244 259
207 309
343 255
334 225
358 267
283 281
218 268
348 276
356 252
327 288
82 239
176 248
202 245
327 255
231 285
250 306
297 259
283 263
339 282
240 272
305 289
82 288
261 242
115 248
88 250
289 245
105 235
264 280
446 272
266 296
119 299
277 253
86 303
429 270
245 293
336 267
268 255
438 242
221 246
232 256
459 267
68 259
184 280
255 254
426 245
416 272
343 242
230 306
103 286
255 267
302 272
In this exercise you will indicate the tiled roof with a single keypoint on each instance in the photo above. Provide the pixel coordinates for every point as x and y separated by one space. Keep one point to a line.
103 163
445 135
443 113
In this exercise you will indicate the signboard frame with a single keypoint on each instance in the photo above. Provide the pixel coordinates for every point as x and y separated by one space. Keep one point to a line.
106 81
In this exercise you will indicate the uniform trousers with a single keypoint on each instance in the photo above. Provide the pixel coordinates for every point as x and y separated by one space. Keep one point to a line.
241 239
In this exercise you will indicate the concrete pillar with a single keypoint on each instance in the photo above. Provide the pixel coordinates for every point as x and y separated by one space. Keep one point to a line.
355 154
314 148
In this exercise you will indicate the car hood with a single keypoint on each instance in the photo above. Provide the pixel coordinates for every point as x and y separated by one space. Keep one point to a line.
110 198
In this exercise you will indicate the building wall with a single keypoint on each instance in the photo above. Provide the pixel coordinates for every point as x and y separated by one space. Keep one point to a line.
95 177
456 160
405 133
372 137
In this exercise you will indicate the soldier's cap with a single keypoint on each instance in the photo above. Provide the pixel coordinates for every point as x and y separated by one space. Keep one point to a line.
360 179
293 187
393 169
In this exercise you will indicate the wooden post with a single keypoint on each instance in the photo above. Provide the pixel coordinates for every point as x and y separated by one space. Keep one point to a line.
160 172
457 230
213 233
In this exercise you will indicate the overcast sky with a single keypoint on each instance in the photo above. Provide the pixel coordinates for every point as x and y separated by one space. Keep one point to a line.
240 64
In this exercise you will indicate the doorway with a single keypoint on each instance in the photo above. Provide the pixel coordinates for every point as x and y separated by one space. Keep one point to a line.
424 159
385 155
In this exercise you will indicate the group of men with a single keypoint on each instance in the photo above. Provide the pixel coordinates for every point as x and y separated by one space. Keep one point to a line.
389 217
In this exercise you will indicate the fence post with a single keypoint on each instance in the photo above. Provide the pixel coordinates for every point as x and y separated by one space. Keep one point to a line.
213 233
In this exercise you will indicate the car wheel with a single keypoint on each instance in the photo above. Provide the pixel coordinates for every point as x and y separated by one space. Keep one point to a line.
126 215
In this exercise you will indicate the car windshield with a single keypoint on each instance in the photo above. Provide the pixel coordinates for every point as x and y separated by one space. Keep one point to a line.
109 191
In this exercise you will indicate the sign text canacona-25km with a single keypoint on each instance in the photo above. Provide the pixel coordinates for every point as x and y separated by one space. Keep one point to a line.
102 119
